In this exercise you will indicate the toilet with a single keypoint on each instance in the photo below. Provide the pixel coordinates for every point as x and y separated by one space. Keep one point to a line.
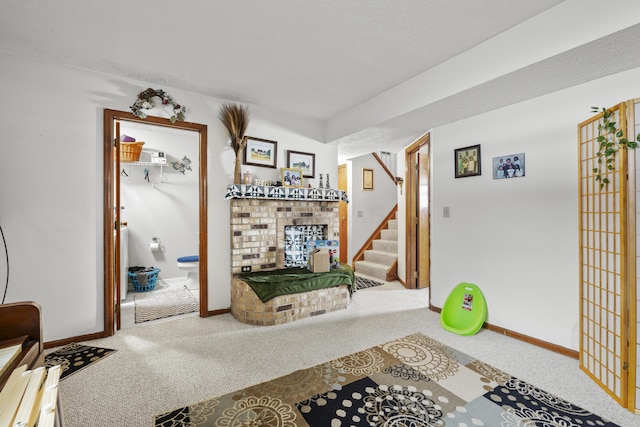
191 264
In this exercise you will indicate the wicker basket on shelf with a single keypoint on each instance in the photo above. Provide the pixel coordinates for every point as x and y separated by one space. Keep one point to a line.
130 151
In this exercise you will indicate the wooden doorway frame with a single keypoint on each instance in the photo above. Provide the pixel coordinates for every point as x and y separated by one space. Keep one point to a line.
112 215
344 214
417 194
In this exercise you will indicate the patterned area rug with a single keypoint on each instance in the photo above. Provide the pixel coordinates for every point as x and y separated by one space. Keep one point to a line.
74 357
362 283
412 381
166 303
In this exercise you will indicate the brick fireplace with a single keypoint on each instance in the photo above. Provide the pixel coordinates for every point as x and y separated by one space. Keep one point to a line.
258 223
259 217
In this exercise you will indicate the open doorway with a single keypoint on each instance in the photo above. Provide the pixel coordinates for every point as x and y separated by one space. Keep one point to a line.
113 234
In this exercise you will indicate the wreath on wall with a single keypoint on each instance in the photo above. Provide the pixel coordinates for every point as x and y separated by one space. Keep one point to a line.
145 102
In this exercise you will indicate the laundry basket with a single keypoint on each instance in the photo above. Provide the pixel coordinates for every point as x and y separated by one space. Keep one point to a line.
130 151
144 280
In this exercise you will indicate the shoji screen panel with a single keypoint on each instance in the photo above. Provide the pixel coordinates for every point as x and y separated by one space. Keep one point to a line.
633 113
603 264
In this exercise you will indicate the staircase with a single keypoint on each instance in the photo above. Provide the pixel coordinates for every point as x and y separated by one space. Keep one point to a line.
381 259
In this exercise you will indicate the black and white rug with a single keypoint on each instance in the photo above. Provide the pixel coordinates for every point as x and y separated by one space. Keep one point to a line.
363 283
74 357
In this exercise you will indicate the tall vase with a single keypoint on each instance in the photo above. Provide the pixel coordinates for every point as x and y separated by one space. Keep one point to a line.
237 173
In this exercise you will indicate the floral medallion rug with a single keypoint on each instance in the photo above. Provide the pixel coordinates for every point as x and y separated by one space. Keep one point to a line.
413 381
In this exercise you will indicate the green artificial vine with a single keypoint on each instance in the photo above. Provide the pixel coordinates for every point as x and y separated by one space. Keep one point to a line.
610 140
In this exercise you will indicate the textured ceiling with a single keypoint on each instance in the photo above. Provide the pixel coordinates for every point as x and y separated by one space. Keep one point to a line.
606 56
310 58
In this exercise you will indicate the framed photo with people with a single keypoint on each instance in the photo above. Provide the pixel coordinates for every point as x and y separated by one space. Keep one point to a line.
291 177
467 161
508 166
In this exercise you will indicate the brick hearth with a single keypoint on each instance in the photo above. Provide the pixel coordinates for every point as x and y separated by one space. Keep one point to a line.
247 307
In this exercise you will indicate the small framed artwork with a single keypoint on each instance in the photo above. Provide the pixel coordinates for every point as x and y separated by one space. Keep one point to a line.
467 161
291 177
367 179
306 162
508 166
260 152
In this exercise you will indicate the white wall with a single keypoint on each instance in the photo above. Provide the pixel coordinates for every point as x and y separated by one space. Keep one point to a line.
517 238
51 180
367 208
167 205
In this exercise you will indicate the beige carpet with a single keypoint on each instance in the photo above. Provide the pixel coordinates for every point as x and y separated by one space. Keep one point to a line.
160 366
164 303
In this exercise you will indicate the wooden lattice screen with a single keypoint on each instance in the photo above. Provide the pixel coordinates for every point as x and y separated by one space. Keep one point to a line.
603 264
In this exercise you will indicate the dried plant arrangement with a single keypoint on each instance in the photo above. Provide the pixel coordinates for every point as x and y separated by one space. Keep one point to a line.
235 119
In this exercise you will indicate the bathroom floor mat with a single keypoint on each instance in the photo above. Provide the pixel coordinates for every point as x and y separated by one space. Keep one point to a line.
161 304
74 357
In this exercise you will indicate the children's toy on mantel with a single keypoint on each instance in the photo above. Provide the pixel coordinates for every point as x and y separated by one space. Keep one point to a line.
330 247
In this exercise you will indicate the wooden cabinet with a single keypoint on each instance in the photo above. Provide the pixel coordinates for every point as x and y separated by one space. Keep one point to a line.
21 338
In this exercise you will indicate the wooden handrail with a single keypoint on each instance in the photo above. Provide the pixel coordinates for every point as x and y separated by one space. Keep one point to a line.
386 169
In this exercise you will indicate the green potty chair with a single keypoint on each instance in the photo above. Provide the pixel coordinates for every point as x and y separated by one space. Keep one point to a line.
464 311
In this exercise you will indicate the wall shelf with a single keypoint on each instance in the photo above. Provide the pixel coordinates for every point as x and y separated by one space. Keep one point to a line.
142 164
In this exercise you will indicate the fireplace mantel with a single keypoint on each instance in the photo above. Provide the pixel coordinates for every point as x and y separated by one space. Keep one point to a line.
246 191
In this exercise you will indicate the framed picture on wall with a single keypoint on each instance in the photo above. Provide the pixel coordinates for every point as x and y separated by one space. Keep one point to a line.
367 179
260 152
467 161
508 166
291 177
306 162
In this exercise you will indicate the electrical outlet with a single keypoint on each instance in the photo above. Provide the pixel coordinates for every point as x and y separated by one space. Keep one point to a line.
246 269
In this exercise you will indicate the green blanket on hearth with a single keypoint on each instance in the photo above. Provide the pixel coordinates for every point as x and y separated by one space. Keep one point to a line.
285 281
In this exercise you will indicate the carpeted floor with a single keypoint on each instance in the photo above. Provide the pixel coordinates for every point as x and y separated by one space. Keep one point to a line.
410 381
74 357
363 283
164 303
